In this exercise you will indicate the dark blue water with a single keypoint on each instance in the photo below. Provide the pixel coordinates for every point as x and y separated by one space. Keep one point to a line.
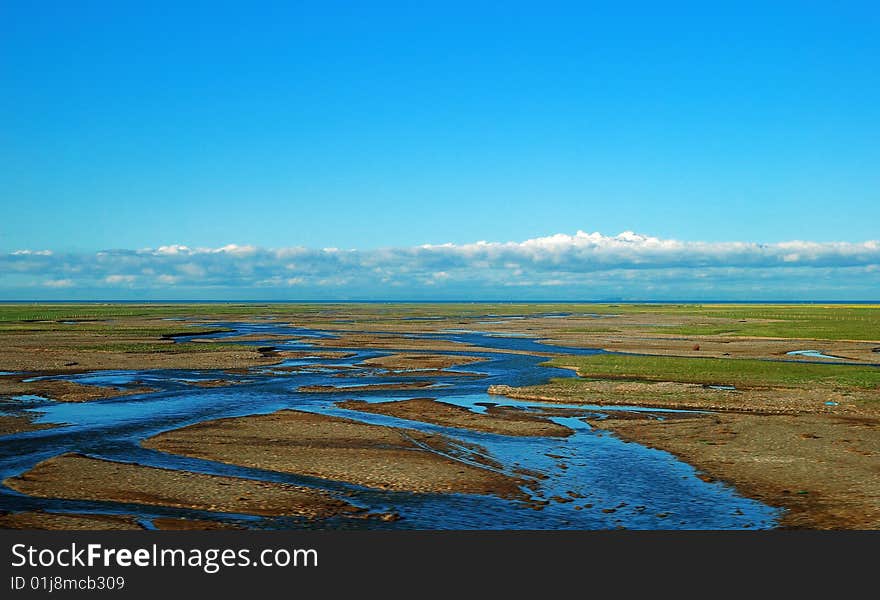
592 479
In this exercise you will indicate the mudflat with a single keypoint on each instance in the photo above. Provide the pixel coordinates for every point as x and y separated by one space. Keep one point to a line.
62 391
388 341
67 522
72 360
825 470
10 424
170 524
420 362
99 522
144 341
797 435
334 448
77 477
694 396
313 354
785 429
500 420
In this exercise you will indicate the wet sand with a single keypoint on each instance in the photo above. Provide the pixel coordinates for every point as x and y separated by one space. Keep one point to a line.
773 458
62 391
214 383
169 524
500 420
314 353
97 522
120 343
388 341
420 362
655 342
77 477
814 451
825 470
57 360
693 396
334 448
68 522
10 424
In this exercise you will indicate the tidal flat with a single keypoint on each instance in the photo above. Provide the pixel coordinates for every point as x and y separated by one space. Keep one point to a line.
439 416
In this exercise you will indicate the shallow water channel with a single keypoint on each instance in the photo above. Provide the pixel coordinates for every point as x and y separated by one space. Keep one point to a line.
592 480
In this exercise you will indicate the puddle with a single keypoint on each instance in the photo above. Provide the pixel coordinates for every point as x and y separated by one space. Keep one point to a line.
813 354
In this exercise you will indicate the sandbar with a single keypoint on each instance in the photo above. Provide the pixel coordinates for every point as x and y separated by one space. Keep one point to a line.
500 420
339 449
78 477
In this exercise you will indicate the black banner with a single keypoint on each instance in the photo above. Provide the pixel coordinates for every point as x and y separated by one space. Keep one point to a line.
239 564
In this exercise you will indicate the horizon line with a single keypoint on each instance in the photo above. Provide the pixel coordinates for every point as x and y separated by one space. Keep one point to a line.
458 301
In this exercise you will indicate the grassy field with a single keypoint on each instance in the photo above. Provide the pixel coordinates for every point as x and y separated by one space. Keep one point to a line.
815 322
23 313
741 373
73 311
827 322
823 322
144 347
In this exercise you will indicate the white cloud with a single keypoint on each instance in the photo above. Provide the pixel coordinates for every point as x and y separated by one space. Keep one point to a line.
580 264
233 249
58 283
115 279
172 249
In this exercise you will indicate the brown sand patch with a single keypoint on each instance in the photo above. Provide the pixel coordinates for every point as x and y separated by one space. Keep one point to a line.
823 469
214 383
76 360
171 524
401 342
77 477
62 391
247 337
312 354
297 368
10 424
334 448
420 362
501 420
655 342
390 341
67 522
72 350
692 396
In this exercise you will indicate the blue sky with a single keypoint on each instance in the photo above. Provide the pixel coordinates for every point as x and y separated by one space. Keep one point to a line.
390 125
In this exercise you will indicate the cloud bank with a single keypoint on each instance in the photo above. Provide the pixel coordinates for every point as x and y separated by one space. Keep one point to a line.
580 266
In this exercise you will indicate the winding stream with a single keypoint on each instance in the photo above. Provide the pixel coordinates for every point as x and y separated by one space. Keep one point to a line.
593 479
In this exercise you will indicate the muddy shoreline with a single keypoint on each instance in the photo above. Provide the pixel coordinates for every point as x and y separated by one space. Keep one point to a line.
500 420
61 390
338 449
811 450
78 477
822 469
